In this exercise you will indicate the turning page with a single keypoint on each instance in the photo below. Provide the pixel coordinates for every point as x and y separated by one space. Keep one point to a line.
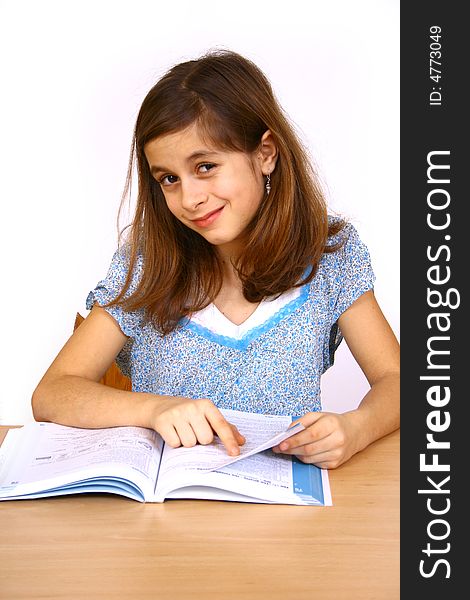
260 431
259 476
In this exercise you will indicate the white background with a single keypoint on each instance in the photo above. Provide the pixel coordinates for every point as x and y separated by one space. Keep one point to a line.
73 77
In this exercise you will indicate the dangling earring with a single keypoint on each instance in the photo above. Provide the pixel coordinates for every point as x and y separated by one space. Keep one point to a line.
268 184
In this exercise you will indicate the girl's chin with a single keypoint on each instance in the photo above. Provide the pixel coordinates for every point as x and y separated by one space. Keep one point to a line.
223 240
230 247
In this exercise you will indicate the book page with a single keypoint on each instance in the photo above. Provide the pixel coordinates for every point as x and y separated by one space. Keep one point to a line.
261 432
265 477
49 455
181 466
277 477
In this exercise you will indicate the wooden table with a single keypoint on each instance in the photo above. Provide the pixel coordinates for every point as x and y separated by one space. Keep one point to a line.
99 546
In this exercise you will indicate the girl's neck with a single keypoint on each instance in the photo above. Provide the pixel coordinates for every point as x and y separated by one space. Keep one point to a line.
227 256
230 300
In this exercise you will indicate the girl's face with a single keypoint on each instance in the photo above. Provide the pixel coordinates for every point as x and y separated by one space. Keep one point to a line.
214 192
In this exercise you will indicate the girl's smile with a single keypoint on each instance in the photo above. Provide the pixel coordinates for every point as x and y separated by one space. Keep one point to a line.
209 218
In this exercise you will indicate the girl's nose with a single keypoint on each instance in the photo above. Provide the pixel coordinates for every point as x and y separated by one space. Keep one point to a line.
193 195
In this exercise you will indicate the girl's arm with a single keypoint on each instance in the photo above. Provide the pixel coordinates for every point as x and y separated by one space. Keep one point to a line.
331 439
70 393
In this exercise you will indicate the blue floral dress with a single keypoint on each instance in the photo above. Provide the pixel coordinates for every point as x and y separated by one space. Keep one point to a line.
272 363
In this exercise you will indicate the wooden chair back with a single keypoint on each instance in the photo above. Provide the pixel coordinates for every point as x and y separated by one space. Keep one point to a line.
113 376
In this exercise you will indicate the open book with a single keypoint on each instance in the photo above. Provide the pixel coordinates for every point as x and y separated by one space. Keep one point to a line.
45 459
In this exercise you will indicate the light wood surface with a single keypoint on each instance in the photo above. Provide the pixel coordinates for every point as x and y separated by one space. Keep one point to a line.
100 546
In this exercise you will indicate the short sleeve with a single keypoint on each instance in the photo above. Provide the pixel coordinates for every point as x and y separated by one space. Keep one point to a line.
350 274
108 289
354 275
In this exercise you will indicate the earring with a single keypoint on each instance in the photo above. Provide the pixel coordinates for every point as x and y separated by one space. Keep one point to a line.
268 184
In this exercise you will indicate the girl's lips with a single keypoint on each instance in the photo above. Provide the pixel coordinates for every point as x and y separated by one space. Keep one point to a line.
209 218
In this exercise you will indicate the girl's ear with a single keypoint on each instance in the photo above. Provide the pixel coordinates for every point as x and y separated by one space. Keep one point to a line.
267 153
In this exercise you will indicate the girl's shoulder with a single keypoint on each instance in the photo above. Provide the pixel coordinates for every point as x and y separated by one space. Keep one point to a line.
340 233
346 240
120 265
347 270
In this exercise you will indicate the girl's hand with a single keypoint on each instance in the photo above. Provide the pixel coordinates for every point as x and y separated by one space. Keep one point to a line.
327 441
185 422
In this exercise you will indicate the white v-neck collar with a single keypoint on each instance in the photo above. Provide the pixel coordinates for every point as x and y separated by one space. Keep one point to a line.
215 321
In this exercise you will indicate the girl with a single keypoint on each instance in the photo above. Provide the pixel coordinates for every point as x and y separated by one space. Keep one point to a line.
233 288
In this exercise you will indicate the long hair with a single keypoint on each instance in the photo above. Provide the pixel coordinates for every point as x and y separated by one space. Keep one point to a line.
232 103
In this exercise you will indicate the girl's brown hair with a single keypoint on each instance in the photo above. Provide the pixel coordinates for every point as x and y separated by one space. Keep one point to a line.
232 103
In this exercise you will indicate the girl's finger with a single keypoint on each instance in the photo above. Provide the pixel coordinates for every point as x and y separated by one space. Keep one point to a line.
169 435
186 434
223 430
202 429
241 439
307 436
323 460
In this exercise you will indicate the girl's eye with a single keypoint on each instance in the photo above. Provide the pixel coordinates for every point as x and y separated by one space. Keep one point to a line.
167 180
206 167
